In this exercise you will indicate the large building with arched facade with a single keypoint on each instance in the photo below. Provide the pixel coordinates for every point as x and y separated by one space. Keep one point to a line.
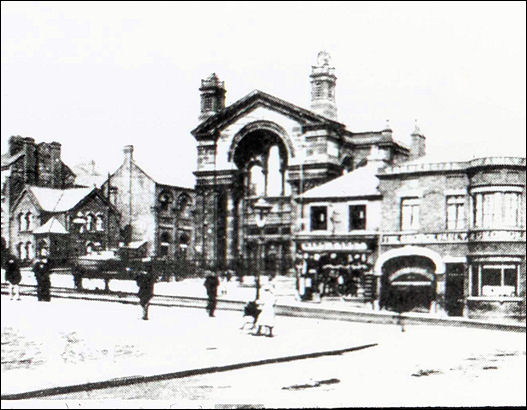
263 146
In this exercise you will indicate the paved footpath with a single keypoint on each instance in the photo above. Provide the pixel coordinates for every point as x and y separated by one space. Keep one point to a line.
66 342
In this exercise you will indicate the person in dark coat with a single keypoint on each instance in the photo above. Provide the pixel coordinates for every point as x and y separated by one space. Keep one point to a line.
42 269
13 276
145 281
211 284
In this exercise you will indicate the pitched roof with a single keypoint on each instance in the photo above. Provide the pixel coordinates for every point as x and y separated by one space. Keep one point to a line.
9 159
357 183
53 225
259 97
58 200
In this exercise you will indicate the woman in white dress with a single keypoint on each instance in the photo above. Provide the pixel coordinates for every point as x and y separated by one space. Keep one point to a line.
267 315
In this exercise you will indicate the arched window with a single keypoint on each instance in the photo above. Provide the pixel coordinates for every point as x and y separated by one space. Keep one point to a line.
165 200
29 250
90 248
29 221
184 203
21 251
90 223
256 181
99 224
21 222
274 173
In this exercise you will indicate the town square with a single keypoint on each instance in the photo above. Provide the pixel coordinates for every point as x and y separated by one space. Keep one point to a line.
228 205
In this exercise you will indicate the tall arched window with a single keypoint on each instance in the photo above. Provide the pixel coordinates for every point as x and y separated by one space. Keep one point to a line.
21 251
90 223
274 173
29 221
21 222
257 181
29 250
99 224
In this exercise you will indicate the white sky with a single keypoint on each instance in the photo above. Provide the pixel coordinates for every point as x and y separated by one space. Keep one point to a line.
97 76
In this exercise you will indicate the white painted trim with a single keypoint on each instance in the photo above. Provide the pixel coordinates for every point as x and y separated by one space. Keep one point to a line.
409 251
455 259
497 188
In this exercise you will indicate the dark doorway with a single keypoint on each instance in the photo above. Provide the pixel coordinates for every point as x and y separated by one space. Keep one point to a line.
455 281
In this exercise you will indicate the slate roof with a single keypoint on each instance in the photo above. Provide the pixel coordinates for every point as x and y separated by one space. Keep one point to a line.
259 97
9 159
53 225
361 182
58 200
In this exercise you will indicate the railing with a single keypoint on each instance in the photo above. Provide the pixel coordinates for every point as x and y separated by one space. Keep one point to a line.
480 235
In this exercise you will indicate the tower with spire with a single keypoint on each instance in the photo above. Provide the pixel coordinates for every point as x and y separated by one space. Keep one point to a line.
323 81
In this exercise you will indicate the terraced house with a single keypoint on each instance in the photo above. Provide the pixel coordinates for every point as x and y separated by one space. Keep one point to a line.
453 236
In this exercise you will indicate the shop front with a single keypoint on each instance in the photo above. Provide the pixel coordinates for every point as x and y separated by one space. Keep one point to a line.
336 268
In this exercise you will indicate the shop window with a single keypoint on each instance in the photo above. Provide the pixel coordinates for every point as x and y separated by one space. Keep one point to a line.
495 280
357 214
455 212
319 218
410 213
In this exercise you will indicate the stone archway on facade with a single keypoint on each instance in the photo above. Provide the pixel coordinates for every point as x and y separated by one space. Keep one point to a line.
260 153
408 278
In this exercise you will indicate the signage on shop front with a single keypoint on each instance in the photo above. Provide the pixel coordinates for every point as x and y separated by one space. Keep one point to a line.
322 246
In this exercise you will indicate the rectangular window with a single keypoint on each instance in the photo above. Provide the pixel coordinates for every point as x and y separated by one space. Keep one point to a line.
410 213
498 280
357 215
319 218
497 210
455 212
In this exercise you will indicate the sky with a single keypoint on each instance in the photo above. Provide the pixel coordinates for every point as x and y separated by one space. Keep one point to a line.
98 76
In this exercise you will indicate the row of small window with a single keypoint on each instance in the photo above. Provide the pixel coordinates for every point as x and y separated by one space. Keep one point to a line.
319 217
93 222
25 221
490 210
25 250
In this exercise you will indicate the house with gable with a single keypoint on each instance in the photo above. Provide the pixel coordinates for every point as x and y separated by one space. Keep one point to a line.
155 214
67 222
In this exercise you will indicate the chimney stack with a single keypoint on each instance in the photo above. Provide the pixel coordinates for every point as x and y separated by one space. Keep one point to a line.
418 143
128 153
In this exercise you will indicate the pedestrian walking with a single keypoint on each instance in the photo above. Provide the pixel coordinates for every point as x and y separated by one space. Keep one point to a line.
13 277
42 270
267 316
145 281
211 284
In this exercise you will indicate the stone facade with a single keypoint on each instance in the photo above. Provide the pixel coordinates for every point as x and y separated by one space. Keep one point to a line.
157 213
264 146
457 231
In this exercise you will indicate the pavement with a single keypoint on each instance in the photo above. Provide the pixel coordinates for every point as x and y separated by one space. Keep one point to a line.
233 295
65 342
72 342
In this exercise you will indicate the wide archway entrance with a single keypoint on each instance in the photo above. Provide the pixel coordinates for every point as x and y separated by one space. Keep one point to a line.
261 159
408 280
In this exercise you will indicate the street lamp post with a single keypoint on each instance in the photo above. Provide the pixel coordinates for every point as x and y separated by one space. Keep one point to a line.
262 209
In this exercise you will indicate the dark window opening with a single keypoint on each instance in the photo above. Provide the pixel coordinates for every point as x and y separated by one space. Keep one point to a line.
357 217
319 219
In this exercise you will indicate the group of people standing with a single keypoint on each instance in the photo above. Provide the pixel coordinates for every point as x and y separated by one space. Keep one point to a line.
41 268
